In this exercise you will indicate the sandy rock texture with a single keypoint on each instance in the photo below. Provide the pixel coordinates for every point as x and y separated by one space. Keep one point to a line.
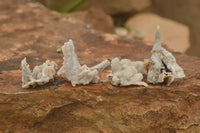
175 35
32 31
186 12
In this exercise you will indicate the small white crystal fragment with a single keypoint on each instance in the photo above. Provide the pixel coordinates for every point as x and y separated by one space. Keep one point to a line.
101 66
41 74
162 66
73 72
126 72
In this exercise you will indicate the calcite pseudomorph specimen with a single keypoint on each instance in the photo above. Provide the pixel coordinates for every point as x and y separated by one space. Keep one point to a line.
73 72
126 72
41 74
162 66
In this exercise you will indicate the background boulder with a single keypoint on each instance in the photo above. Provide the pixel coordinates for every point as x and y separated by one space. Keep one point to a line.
175 35
186 12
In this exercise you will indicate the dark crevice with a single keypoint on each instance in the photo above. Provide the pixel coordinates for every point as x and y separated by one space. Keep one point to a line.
165 68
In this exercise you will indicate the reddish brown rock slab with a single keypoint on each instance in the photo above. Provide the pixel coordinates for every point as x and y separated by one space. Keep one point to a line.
29 30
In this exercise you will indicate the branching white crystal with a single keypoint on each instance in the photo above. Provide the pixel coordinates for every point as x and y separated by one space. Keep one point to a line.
162 66
126 72
40 75
75 73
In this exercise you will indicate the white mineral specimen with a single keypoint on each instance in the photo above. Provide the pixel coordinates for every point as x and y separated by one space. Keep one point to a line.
126 72
75 73
162 66
41 74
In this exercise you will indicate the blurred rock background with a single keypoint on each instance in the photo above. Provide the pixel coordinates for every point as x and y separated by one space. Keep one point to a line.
137 19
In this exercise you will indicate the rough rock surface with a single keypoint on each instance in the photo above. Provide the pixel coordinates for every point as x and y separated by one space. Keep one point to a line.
184 11
31 30
174 34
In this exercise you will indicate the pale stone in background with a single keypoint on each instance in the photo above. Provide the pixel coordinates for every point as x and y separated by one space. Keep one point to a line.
120 31
174 34
186 12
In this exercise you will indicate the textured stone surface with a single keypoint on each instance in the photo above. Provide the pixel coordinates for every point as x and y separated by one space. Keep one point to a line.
174 34
184 11
33 31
